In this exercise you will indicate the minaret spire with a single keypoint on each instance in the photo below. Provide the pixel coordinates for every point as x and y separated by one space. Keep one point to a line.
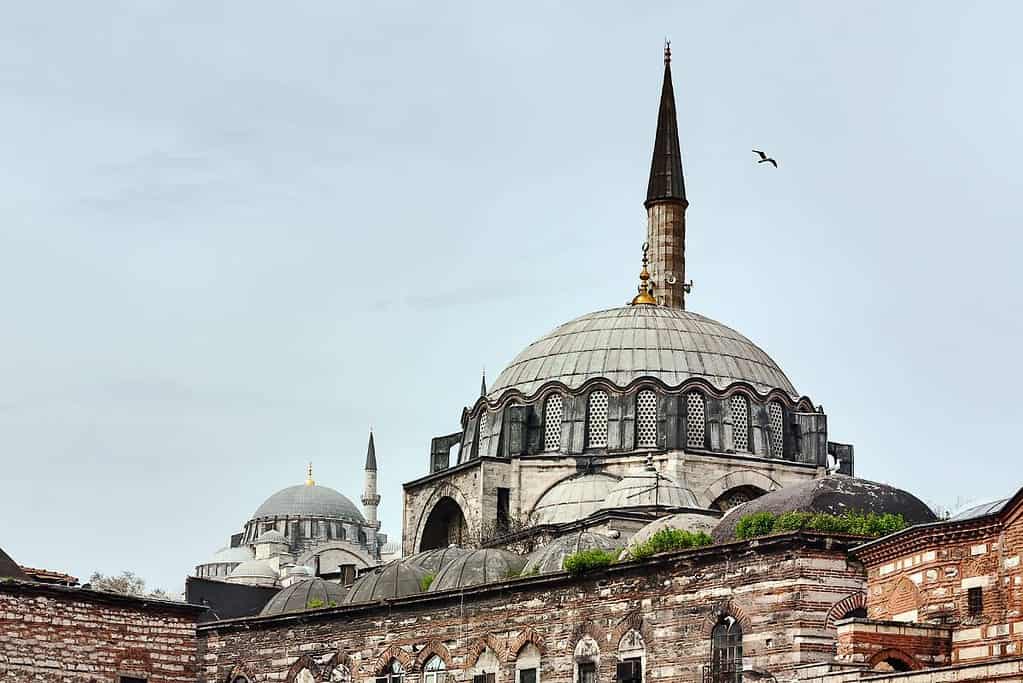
666 201
483 383
370 497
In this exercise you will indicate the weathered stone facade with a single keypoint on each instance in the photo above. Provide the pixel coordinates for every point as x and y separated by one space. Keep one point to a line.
780 590
72 635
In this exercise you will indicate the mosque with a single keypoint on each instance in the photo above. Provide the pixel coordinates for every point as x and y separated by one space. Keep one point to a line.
597 438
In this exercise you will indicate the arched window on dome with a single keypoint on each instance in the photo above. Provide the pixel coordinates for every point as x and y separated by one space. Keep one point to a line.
552 423
434 671
646 419
696 420
776 417
726 651
740 422
596 432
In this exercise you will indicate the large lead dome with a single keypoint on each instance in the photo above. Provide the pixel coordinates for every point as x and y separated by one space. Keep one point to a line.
624 344
309 500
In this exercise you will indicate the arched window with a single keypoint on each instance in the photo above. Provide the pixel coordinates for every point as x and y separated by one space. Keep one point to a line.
740 422
646 419
527 664
484 420
394 673
696 420
587 660
487 666
631 657
434 671
726 651
305 676
596 435
776 415
552 423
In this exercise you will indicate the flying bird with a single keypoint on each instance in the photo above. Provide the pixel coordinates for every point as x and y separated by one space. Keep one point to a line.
764 158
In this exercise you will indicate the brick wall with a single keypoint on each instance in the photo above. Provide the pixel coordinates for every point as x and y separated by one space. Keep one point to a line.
861 641
51 633
780 589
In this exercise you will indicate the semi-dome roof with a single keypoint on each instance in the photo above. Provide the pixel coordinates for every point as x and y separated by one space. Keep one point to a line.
253 571
551 557
271 536
624 344
396 579
648 487
573 498
834 495
304 595
480 566
309 500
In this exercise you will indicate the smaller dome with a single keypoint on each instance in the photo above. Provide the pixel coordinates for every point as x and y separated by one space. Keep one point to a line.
305 595
834 495
648 488
272 536
434 560
255 572
574 498
229 555
486 565
396 579
694 521
551 557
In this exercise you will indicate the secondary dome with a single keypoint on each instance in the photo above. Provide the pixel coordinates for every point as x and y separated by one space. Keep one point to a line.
648 487
624 344
309 500
573 498
303 595
253 572
832 495
432 561
684 521
480 566
551 557
396 579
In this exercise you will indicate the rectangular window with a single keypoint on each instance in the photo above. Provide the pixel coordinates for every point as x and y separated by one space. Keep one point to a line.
479 678
503 507
630 671
130 679
587 672
975 600
527 675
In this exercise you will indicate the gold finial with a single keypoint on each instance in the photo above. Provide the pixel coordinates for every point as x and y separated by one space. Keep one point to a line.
309 476
646 294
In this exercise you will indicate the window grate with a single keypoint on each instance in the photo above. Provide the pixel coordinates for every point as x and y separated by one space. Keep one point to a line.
646 419
777 418
552 423
597 434
484 418
740 422
696 420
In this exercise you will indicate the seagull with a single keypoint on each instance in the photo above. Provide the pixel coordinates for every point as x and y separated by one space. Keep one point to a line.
764 158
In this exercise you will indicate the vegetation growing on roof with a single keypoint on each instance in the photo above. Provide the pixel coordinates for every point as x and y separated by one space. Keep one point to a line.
668 539
587 560
868 524
426 582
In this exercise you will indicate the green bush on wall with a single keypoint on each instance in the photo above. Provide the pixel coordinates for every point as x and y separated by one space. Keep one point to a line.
665 540
868 524
585 560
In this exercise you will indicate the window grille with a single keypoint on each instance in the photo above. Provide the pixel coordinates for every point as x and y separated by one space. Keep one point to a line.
484 419
552 423
726 652
393 674
740 422
975 600
434 671
696 420
646 419
587 672
597 434
777 418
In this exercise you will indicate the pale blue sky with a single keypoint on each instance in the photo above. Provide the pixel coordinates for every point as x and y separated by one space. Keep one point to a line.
233 237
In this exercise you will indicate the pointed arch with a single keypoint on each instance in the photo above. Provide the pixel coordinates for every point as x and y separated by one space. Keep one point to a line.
434 647
339 660
525 636
844 606
482 643
588 628
633 621
897 659
393 652
240 671
728 608
303 662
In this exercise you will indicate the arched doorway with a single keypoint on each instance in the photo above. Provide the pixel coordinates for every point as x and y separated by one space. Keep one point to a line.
736 496
445 526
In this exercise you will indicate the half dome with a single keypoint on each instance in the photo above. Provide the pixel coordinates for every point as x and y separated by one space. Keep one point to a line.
309 500
648 488
627 343
304 595
834 495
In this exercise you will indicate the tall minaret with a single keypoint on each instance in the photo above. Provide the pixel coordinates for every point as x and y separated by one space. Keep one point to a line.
666 203
370 497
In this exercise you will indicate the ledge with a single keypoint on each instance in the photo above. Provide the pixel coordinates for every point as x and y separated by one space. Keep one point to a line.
30 588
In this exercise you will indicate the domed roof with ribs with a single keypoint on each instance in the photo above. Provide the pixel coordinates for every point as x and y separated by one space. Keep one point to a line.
624 344
309 500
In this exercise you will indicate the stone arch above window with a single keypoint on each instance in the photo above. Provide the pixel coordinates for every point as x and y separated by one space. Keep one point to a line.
552 414
596 431
433 649
631 657
854 605
696 420
303 670
646 419
391 656
527 664
739 409
586 657
726 650
526 636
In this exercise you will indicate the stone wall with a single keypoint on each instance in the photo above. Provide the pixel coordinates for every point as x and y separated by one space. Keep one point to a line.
874 643
71 635
780 589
